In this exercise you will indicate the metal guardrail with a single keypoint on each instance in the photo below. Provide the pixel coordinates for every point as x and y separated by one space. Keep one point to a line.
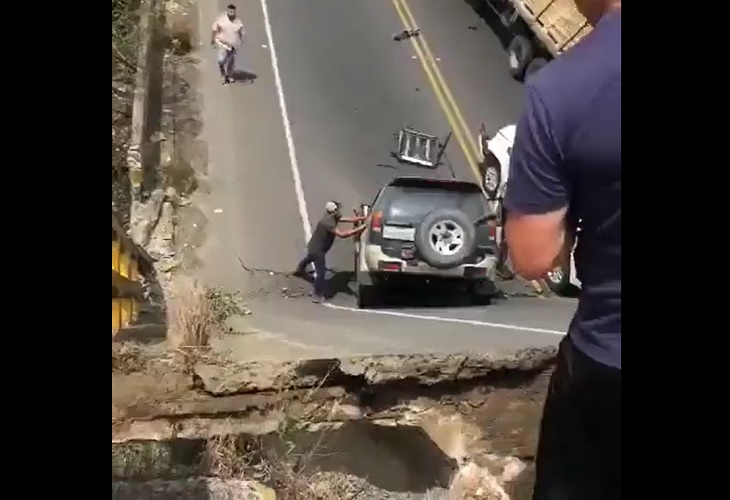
128 260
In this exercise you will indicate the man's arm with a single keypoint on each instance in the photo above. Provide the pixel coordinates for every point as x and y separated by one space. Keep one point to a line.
353 220
216 28
537 193
241 32
350 232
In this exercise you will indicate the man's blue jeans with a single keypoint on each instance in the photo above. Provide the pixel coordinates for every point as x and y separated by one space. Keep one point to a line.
320 270
226 61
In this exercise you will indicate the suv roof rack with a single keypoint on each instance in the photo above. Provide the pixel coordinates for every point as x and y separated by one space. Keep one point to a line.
450 184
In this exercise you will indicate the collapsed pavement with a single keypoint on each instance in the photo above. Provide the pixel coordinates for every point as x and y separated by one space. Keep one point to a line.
428 416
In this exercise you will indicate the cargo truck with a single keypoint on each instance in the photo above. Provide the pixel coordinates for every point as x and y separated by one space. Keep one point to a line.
539 30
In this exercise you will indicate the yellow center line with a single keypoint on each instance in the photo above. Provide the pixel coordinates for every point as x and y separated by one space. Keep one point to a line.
440 77
447 105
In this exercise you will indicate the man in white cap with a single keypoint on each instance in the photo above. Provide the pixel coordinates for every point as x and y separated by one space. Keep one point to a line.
320 243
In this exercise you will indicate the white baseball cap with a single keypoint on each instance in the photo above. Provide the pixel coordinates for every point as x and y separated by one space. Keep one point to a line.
330 206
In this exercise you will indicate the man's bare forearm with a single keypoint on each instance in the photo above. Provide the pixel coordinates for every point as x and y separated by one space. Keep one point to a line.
351 232
353 219
535 242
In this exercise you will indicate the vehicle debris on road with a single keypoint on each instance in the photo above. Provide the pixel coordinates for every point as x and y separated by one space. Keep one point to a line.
406 34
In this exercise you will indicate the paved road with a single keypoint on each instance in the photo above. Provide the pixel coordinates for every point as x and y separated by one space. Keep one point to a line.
347 88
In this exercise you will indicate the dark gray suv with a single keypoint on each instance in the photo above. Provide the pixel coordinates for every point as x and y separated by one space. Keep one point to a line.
426 228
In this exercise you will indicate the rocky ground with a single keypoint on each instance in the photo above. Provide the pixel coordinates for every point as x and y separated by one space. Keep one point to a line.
458 422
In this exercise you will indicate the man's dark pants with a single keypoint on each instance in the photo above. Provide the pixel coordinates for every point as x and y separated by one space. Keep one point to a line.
579 453
320 269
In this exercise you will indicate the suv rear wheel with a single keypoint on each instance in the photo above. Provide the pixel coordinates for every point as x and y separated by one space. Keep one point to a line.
445 237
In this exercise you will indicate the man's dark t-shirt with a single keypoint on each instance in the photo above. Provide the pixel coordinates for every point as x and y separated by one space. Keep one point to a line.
567 152
323 236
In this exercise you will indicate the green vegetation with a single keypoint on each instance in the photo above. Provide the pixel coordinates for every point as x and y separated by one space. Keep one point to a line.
124 54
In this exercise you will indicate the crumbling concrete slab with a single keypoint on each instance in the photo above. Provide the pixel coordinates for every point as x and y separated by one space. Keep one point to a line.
481 411
158 399
229 378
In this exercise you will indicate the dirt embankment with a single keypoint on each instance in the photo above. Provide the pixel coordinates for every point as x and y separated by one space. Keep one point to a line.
479 412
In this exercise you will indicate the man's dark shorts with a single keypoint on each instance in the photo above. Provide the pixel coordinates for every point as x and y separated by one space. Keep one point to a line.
579 454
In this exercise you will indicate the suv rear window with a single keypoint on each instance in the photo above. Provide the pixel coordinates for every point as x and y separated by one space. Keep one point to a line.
411 204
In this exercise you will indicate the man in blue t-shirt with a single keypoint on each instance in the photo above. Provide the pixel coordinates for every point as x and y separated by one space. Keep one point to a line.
565 171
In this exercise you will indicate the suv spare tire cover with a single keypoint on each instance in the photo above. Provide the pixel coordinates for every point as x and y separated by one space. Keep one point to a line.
455 219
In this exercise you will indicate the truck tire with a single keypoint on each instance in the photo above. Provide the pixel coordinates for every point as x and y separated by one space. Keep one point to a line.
491 177
520 52
445 238
482 292
367 296
535 65
558 280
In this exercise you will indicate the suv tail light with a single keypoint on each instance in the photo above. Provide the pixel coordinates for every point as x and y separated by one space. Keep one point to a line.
493 232
376 222
389 266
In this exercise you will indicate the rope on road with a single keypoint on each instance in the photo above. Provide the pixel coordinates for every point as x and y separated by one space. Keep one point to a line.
252 270
273 272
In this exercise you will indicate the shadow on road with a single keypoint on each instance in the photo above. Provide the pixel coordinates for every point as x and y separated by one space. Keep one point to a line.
426 296
396 295
407 295
339 283
437 294
240 76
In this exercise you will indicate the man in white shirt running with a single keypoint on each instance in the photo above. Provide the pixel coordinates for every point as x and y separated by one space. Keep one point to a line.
227 36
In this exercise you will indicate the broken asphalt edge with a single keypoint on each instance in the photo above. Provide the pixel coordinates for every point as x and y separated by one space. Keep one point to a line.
228 379
254 397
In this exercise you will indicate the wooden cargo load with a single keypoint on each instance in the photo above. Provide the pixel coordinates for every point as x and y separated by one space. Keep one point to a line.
557 23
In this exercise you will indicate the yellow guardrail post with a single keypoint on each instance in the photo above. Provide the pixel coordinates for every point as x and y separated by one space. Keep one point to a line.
127 260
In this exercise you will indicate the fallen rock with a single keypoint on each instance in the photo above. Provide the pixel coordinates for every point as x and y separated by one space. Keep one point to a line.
477 483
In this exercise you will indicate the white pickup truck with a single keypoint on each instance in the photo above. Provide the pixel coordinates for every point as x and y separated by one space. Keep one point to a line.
496 152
